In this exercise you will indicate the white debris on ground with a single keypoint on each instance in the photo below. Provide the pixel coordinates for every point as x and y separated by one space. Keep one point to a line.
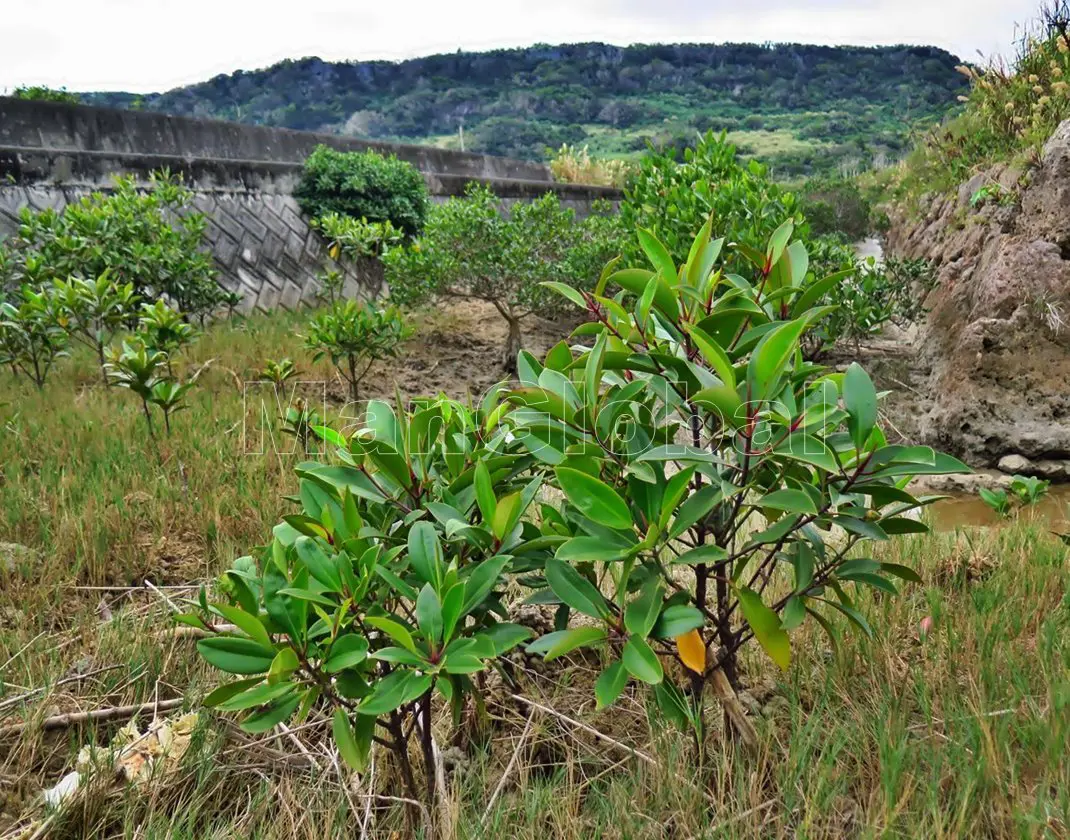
134 757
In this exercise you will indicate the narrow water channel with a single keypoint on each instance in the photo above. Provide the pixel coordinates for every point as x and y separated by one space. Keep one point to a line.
1053 512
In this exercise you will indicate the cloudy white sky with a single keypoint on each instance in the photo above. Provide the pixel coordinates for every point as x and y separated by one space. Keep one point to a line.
151 45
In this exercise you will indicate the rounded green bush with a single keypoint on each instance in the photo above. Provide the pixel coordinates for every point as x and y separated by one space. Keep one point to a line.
364 185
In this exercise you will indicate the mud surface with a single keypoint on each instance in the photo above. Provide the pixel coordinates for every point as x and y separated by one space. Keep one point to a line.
458 351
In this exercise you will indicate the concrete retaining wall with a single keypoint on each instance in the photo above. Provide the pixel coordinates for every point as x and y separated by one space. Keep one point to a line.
242 176
54 126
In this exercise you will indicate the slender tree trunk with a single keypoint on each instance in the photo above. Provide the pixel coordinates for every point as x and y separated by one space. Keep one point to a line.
100 359
38 376
400 748
148 419
354 391
428 749
702 573
512 344
724 632
698 681
723 629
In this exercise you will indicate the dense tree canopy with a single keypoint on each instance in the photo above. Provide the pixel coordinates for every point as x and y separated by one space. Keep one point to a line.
800 108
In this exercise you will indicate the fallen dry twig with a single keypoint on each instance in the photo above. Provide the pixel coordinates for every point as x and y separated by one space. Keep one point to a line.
94 716
182 631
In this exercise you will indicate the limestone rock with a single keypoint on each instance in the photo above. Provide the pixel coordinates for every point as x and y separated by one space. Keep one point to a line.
996 341
1015 464
1052 470
966 484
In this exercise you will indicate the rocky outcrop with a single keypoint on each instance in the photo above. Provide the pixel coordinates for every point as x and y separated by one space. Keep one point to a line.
996 342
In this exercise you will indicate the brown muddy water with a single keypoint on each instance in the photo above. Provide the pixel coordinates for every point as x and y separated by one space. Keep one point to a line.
967 510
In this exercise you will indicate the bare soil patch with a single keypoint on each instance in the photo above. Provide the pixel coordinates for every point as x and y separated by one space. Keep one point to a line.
457 351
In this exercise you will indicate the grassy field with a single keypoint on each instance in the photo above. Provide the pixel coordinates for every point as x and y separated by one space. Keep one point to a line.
960 732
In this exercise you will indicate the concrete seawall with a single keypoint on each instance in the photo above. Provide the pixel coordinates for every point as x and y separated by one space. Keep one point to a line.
242 176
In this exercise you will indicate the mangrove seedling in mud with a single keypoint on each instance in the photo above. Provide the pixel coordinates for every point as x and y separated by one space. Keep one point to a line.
353 335
1024 491
710 487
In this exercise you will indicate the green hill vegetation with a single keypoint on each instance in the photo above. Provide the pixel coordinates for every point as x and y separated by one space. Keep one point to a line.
800 109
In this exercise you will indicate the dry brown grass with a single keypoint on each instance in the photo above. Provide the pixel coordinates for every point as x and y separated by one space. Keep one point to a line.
573 165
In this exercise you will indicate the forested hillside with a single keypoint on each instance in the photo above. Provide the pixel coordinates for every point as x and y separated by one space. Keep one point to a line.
800 108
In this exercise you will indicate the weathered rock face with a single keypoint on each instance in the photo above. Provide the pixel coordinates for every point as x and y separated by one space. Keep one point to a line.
996 342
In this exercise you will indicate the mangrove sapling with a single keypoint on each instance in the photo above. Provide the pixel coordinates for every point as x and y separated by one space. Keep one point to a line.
1029 489
138 369
151 238
332 284
867 298
353 335
279 372
469 249
997 499
164 328
300 421
355 238
673 195
383 591
364 186
31 335
168 395
1023 491
230 301
386 588
780 452
93 311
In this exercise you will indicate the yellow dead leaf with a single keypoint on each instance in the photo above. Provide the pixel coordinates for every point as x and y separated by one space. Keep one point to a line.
692 651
